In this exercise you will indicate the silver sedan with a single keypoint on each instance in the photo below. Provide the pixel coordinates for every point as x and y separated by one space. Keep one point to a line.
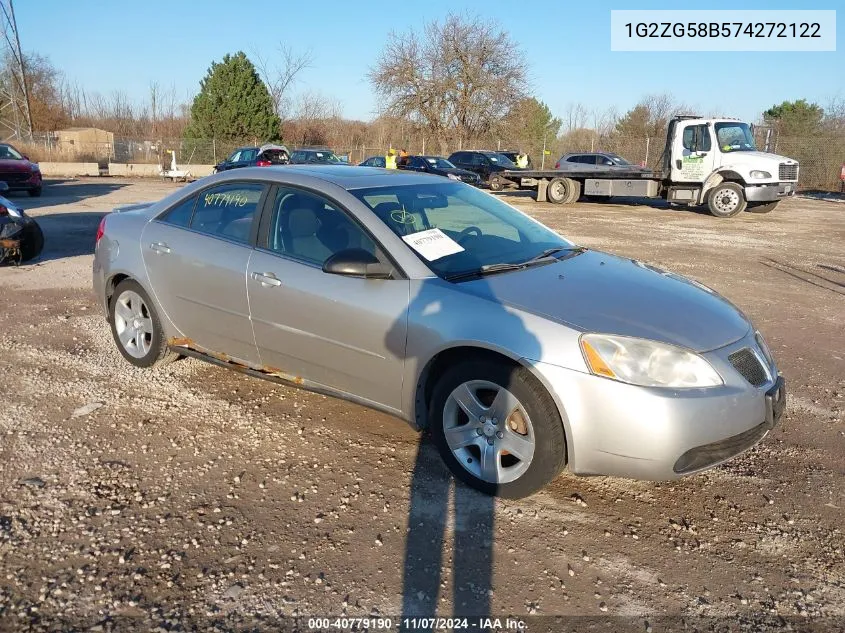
518 351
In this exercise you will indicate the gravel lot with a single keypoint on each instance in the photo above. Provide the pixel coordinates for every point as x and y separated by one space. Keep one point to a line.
192 496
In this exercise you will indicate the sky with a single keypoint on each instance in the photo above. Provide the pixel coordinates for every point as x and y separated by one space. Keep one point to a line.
107 46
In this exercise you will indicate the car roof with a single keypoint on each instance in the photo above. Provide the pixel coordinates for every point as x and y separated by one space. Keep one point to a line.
344 176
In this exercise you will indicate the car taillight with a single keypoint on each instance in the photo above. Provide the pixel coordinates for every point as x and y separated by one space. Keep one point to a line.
557 165
263 163
101 229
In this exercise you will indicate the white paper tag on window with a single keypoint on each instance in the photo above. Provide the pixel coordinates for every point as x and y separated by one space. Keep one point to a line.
433 244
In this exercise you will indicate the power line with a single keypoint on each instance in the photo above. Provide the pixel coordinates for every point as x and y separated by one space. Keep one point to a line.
15 112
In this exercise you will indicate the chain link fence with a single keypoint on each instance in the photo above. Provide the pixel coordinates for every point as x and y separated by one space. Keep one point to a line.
821 156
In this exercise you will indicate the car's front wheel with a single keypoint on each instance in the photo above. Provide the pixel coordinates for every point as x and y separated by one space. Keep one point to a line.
136 327
497 428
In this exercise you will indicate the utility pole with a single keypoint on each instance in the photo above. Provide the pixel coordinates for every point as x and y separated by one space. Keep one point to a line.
15 111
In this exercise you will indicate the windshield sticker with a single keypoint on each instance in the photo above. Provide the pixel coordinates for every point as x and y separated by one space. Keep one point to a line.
433 244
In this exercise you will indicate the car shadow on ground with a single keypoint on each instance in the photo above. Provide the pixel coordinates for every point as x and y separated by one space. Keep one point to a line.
61 192
470 521
67 235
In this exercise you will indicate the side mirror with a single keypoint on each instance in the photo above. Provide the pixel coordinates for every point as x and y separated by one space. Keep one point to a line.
356 262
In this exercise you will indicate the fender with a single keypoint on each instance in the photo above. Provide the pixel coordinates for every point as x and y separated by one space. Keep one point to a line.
722 173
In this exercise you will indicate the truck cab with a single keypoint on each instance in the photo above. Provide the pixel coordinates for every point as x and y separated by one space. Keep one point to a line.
715 162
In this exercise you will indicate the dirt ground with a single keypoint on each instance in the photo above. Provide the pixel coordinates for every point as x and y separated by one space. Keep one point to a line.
190 496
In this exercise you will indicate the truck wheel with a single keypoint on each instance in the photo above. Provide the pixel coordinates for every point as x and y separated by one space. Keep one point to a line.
763 207
575 189
560 190
726 200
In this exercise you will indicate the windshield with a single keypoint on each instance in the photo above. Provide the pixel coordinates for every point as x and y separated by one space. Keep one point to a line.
7 151
326 157
735 137
501 159
439 163
473 227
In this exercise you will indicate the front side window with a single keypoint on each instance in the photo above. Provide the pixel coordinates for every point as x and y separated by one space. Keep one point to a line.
235 156
227 211
696 138
487 230
248 154
735 137
307 227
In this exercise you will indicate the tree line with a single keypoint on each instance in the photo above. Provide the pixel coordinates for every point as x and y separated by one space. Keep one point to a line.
453 83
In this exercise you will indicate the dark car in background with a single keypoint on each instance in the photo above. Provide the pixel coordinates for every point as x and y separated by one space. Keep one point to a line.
263 156
18 172
373 161
484 163
440 167
315 157
595 159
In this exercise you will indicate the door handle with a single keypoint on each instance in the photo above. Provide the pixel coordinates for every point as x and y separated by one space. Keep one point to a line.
679 164
160 247
266 279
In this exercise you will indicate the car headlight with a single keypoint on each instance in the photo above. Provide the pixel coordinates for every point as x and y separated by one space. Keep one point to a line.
646 363
760 174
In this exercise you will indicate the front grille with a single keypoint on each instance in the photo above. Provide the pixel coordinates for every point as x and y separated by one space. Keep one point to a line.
788 172
747 364
711 454
14 176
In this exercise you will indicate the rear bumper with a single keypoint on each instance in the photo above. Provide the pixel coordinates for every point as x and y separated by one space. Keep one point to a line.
770 192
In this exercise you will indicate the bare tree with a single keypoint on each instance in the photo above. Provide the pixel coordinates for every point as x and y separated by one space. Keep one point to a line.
280 77
455 80
575 117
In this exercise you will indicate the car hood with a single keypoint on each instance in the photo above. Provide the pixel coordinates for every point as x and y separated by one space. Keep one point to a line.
9 164
599 292
457 171
755 159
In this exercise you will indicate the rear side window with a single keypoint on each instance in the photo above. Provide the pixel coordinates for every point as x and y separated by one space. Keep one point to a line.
180 215
227 211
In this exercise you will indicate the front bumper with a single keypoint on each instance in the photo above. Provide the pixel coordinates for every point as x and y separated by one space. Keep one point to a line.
22 181
613 428
770 192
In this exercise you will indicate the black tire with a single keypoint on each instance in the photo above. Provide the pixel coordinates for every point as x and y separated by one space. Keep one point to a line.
726 200
33 241
561 190
159 353
575 191
763 207
549 456
496 183
35 193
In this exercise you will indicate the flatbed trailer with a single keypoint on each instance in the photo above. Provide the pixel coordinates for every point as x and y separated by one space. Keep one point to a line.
710 162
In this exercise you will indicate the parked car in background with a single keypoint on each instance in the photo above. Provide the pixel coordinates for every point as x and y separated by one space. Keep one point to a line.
18 172
520 352
484 163
315 157
21 238
373 161
263 156
597 159
440 167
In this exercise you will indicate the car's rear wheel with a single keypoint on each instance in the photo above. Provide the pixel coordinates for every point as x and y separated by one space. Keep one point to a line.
136 327
33 241
497 428
496 183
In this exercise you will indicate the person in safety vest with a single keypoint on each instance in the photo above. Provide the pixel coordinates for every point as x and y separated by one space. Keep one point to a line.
522 160
390 159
